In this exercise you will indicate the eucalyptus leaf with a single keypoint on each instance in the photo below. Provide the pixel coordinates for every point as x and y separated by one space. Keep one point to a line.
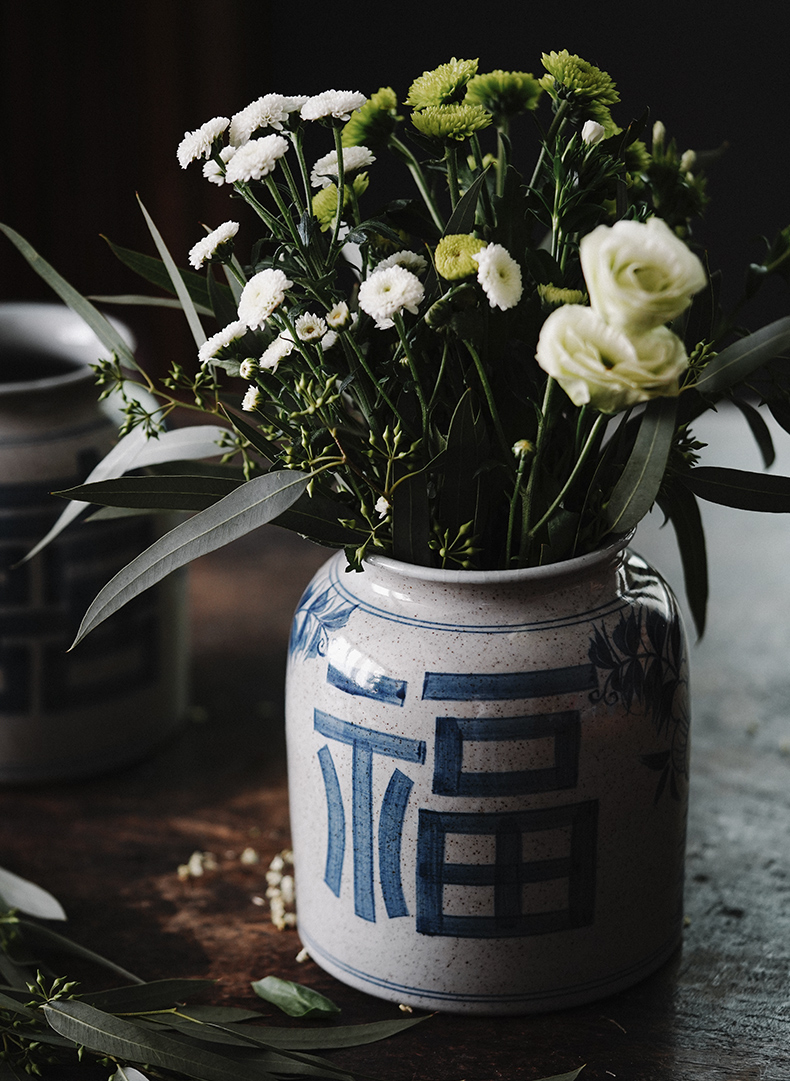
37 934
636 490
680 506
130 1042
154 271
293 998
767 492
178 282
29 898
759 429
158 994
128 1073
337 1036
140 300
249 506
737 362
101 327
134 451
176 493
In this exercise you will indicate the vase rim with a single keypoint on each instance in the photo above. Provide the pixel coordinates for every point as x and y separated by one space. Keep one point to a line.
578 564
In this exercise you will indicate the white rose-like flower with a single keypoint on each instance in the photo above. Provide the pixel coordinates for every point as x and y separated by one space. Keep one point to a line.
500 276
255 159
387 292
600 365
639 274
261 295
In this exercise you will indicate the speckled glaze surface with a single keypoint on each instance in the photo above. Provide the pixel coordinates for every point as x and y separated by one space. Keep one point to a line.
123 690
488 780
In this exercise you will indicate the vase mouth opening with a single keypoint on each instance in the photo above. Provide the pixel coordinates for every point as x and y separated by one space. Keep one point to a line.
608 551
45 346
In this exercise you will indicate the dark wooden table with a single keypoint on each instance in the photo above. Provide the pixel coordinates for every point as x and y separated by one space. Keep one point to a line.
110 848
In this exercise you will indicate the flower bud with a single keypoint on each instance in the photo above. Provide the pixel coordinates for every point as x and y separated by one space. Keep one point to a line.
592 132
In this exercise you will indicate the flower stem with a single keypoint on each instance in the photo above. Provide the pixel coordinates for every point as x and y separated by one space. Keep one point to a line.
399 324
600 420
419 179
489 394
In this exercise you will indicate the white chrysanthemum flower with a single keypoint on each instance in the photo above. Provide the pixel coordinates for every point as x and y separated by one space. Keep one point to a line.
382 506
500 276
388 292
405 258
198 143
212 171
247 368
255 159
209 245
252 399
325 169
261 295
339 104
339 315
328 340
309 327
267 112
280 348
294 104
221 340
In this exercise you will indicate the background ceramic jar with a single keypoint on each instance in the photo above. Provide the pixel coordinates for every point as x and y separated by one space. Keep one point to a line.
123 690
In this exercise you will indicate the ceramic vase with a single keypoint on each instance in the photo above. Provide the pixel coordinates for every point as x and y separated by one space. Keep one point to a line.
123 690
488 780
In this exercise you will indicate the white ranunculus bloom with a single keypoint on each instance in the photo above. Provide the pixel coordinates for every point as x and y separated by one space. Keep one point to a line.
600 365
261 295
639 274
387 292
500 276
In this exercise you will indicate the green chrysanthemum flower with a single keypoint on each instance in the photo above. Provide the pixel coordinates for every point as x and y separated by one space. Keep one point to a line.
554 295
571 77
504 93
325 201
443 86
453 255
451 121
373 123
637 157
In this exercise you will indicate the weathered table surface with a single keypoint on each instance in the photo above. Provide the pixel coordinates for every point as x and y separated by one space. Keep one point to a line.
109 848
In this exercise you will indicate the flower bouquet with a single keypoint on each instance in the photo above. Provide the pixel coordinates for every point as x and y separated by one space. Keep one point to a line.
495 369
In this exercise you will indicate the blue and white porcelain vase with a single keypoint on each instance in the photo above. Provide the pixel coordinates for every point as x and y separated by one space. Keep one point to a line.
65 715
488 780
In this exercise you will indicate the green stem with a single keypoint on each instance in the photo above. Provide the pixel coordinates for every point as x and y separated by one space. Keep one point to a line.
489 394
514 499
419 179
551 134
349 339
600 420
451 161
501 159
537 462
401 328
488 209
341 188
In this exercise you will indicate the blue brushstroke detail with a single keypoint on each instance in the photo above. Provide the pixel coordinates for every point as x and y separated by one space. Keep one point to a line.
336 839
368 685
509 873
449 778
393 811
507 686
318 614
365 742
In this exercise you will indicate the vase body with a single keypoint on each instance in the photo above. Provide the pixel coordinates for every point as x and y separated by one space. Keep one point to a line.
488 780
122 690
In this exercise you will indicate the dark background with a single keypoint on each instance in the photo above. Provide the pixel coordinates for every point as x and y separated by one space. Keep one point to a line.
95 98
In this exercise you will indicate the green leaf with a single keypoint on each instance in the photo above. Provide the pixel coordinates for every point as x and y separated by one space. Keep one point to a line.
759 429
319 517
293 998
158 994
411 518
462 219
638 485
154 271
135 451
177 493
466 452
138 300
681 508
124 1040
29 898
739 488
249 506
337 1036
128 1073
37 933
178 282
101 327
739 360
